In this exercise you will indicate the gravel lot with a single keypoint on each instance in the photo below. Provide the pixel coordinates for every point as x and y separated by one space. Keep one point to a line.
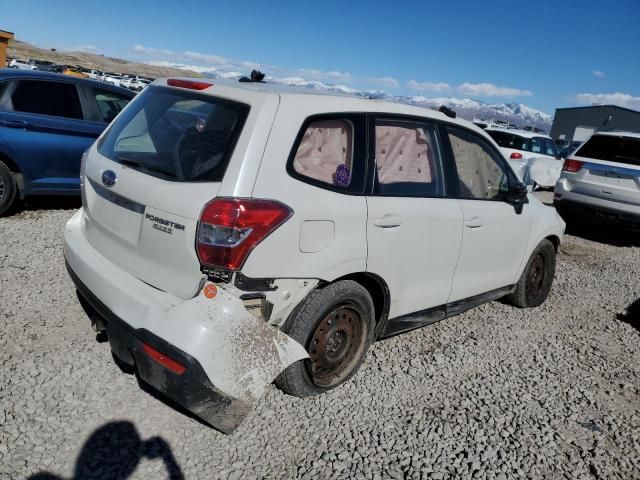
498 392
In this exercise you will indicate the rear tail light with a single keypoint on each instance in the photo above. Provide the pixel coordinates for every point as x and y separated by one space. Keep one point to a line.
163 360
230 228
192 84
572 166
516 156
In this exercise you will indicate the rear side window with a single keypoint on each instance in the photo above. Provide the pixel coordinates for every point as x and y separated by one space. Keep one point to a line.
536 145
407 160
176 135
109 103
549 147
612 149
481 174
57 99
3 87
325 152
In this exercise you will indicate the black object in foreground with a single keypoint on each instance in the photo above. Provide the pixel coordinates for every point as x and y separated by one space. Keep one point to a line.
256 77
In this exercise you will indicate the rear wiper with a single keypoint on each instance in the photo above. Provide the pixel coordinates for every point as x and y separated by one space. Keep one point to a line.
128 161
137 163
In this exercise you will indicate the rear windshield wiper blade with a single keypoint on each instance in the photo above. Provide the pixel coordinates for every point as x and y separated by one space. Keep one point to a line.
124 160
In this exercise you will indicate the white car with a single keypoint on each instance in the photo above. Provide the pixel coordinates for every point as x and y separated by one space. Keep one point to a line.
534 157
23 65
238 232
601 180
113 80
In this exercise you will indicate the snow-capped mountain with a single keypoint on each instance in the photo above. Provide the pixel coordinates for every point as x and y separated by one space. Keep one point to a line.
467 108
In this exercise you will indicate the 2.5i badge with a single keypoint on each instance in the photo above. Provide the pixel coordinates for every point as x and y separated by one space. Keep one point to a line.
163 225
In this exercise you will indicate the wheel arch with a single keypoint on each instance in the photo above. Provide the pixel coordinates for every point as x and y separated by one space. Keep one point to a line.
555 240
9 162
18 175
379 291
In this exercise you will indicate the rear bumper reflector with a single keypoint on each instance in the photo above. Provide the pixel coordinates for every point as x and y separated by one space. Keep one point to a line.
163 360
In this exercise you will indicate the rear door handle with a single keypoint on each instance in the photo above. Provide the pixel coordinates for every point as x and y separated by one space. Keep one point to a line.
388 221
14 123
474 222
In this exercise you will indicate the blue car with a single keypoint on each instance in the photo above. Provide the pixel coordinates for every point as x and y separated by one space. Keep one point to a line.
47 120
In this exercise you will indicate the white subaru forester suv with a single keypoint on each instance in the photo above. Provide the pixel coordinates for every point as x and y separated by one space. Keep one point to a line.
235 233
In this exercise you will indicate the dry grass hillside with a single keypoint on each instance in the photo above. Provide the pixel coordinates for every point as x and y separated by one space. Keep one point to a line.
24 51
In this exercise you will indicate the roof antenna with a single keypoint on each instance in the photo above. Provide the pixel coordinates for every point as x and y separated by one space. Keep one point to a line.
256 77
447 111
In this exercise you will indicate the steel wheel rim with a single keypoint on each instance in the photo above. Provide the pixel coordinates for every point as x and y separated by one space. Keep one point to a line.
336 346
537 275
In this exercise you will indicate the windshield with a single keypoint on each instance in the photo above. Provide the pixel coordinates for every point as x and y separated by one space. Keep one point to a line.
176 135
612 149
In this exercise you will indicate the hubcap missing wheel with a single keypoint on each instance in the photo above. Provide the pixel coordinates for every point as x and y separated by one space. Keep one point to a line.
336 346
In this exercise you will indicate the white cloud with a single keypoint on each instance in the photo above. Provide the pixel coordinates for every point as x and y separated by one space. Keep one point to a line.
81 48
491 90
388 82
315 74
182 66
617 98
428 86
598 73
189 56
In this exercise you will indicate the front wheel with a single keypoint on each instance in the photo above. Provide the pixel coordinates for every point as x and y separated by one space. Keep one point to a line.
336 325
535 283
8 189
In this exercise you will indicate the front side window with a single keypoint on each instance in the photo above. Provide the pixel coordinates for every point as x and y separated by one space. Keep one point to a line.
176 135
407 159
481 175
58 99
109 103
325 152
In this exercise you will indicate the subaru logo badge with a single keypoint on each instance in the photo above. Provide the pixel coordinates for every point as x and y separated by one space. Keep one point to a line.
109 178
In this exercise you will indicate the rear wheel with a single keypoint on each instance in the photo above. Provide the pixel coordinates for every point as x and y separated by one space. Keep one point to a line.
535 283
336 326
8 189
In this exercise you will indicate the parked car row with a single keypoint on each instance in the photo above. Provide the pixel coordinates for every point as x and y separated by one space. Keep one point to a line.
132 82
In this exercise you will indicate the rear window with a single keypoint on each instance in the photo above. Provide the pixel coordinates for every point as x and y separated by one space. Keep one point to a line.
176 135
509 140
612 149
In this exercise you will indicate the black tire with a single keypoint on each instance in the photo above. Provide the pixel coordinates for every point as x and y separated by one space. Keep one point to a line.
8 189
535 283
336 325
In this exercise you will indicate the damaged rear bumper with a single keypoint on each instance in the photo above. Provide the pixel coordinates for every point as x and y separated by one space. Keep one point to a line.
191 389
228 355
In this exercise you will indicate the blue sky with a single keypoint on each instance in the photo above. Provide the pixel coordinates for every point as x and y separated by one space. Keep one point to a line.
545 54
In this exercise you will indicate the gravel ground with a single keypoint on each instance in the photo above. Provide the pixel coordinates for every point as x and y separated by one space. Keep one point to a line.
497 392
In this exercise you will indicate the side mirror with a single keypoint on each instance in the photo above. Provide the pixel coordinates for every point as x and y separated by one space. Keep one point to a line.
517 196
